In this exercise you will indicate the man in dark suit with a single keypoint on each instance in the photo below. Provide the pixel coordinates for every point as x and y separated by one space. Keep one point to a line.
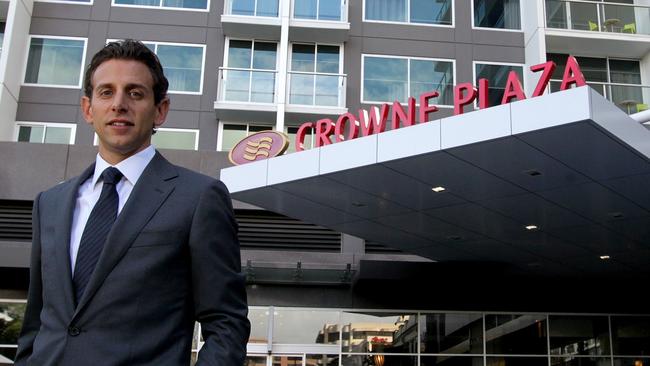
127 256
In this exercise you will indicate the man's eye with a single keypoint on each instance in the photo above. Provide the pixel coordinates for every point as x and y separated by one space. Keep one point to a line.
105 93
135 94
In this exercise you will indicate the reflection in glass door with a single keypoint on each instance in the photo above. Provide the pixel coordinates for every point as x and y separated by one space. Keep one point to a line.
287 360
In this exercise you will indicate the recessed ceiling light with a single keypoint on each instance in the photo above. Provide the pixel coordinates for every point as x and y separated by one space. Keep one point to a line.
604 257
532 172
616 215
438 189
358 204
532 227
454 237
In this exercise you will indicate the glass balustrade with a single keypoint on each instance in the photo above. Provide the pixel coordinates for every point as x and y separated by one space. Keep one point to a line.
598 16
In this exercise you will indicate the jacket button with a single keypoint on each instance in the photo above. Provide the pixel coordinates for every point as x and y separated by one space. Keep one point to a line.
74 331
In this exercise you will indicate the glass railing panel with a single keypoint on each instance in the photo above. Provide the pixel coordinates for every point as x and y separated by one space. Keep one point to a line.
629 98
316 89
246 85
329 10
598 16
258 8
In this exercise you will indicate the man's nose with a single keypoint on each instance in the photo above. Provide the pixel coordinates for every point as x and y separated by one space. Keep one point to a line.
119 102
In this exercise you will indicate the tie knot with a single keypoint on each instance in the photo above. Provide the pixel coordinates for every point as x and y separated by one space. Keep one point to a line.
111 175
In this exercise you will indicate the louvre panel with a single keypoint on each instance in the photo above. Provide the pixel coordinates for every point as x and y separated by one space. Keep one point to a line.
376 248
270 231
15 220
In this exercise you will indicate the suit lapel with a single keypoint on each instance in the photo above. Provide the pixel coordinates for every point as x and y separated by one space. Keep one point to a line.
152 189
63 227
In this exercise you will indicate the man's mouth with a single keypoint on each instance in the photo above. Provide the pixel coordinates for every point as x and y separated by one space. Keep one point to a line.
120 123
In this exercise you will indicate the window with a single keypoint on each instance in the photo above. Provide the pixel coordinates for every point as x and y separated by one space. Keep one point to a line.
55 61
231 134
308 143
174 138
317 9
438 12
183 65
386 79
497 76
250 72
178 4
258 8
314 78
85 2
503 14
2 35
48 133
617 80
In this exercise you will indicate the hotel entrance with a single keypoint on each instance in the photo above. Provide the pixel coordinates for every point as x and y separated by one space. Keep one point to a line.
291 360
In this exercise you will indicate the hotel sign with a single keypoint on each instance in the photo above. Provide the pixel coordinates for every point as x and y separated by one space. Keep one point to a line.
349 126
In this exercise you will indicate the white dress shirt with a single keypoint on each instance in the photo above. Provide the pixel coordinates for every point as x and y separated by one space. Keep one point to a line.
90 190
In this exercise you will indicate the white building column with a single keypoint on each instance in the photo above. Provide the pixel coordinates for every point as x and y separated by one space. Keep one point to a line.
283 57
14 51
534 25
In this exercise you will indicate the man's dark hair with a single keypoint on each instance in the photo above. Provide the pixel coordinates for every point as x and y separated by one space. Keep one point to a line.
129 49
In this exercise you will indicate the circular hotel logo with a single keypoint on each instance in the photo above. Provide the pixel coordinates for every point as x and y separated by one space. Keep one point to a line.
259 146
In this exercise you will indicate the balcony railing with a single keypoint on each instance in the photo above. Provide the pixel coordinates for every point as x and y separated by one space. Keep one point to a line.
597 16
316 89
246 85
628 97
254 8
322 10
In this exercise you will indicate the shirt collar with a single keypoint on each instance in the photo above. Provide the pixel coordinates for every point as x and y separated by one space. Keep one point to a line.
131 167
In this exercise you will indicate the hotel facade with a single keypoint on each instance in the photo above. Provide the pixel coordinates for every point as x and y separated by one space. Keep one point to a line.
515 234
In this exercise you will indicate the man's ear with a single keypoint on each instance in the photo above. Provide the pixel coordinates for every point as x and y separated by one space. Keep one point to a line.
87 109
161 112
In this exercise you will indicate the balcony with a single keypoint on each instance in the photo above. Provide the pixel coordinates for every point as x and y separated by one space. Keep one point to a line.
315 94
246 94
251 19
628 97
590 27
319 21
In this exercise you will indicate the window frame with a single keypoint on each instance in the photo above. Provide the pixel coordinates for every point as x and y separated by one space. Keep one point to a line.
71 126
474 81
247 124
81 69
206 10
408 58
408 13
173 129
521 21
89 2
290 71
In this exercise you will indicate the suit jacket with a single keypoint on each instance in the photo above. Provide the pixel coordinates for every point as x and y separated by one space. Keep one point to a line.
172 257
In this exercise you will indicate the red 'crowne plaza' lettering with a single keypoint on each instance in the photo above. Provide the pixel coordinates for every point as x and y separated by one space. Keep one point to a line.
349 126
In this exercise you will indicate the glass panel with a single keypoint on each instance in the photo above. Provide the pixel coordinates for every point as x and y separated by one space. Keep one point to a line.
11 321
328 59
450 361
57 135
632 361
619 18
388 10
579 335
307 143
302 89
2 35
625 71
515 334
593 69
237 85
430 11
255 361
8 352
287 360
231 136
305 9
516 361
267 8
329 10
379 332
31 133
302 57
264 56
580 361
584 16
259 319
433 75
327 90
451 333
556 14
378 360
385 79
306 326
497 76
54 61
239 54
497 14
243 7
631 335
263 87
257 128
139 2
186 4
181 140
322 360
627 98
182 66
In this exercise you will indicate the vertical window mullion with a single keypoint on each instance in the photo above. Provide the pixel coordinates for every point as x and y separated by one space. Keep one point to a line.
250 77
313 94
44 133
408 79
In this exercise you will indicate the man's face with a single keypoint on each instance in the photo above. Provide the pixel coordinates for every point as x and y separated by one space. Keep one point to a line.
122 108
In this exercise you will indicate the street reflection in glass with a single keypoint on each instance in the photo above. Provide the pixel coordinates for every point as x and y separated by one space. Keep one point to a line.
516 361
322 360
515 334
379 332
259 318
579 335
631 336
378 360
450 361
451 333
296 326
580 361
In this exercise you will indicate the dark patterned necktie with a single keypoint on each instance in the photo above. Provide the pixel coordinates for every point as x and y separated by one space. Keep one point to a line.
99 223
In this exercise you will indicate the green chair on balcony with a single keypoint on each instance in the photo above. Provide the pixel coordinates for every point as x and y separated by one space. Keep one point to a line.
641 107
593 26
629 28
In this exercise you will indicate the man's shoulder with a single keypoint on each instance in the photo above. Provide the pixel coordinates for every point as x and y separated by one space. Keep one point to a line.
196 179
